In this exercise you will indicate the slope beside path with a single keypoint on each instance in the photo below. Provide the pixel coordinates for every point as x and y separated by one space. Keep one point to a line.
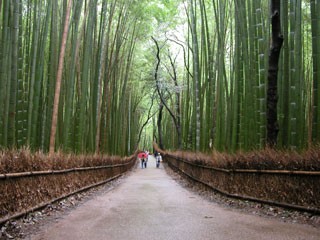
148 204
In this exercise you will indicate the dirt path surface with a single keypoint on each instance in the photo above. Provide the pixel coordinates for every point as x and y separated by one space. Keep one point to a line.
150 205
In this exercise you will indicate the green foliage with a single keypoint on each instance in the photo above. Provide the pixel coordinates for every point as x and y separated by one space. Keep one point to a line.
108 78
233 40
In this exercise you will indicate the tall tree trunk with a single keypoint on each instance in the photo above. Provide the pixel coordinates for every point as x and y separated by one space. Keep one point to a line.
58 81
176 119
272 98
159 123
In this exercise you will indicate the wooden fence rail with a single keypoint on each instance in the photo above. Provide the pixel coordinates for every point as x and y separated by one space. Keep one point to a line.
49 172
285 172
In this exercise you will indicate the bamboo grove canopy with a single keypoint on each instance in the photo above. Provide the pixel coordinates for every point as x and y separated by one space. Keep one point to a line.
189 74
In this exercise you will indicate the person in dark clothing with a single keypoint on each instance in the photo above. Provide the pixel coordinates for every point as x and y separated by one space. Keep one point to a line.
146 159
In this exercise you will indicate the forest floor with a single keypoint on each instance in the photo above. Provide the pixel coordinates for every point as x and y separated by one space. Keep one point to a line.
148 204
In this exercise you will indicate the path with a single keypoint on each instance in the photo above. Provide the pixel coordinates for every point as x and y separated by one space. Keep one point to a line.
150 205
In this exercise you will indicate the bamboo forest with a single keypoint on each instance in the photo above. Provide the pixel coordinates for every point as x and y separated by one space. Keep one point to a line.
112 76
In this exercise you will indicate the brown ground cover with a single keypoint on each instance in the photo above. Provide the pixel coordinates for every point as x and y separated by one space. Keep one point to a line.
23 160
20 192
283 178
266 159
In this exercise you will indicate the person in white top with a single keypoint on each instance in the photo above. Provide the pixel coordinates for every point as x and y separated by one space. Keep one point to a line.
158 160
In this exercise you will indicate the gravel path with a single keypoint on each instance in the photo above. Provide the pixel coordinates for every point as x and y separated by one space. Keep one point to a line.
148 204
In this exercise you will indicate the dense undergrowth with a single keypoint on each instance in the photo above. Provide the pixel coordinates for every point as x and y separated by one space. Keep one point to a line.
23 160
285 186
266 159
22 193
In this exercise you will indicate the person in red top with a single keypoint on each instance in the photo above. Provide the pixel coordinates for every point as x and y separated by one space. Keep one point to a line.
142 157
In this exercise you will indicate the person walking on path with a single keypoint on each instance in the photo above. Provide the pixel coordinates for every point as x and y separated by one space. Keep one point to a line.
158 159
142 156
146 158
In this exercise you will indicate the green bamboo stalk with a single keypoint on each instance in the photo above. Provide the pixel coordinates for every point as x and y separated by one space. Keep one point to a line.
12 85
248 106
5 51
196 74
246 101
21 98
293 85
101 69
27 66
70 95
34 50
14 73
39 100
82 131
210 94
237 83
299 78
105 119
204 138
124 90
48 93
223 105
284 79
315 25
116 76
261 71
54 46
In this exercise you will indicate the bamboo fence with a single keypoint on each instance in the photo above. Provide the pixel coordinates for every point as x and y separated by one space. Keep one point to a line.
25 192
298 190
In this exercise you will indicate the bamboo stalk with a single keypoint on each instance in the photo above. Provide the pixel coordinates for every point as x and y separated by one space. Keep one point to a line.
69 101
58 81
196 73
32 80
4 74
315 25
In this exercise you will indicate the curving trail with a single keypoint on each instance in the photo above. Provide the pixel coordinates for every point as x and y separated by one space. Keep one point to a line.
150 205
